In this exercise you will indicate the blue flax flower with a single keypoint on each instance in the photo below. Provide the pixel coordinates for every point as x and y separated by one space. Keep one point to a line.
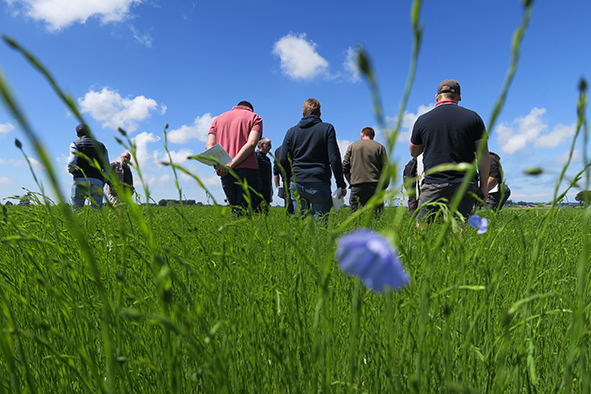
371 257
479 223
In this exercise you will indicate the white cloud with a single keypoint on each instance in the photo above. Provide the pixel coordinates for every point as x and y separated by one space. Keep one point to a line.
178 157
408 122
343 145
114 111
141 141
299 59
350 65
36 164
22 163
144 39
6 128
213 180
198 130
561 159
531 130
5 180
58 14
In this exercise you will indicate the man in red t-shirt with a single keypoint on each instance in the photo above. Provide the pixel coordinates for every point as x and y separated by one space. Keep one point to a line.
238 132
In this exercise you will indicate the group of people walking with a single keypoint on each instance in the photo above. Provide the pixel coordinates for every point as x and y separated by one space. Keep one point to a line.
309 156
88 163
304 164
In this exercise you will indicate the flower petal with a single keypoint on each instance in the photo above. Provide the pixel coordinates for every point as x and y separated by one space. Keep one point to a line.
371 257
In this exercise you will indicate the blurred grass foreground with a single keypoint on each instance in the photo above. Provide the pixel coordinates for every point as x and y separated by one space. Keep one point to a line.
146 299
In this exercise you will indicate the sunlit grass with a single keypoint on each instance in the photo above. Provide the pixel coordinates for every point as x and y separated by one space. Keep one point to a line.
194 299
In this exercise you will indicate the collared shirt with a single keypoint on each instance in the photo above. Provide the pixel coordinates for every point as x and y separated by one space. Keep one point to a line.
232 129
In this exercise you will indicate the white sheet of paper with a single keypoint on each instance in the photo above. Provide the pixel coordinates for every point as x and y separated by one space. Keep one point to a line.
337 199
216 151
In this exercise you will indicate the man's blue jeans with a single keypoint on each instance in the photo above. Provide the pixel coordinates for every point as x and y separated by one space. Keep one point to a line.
312 194
234 191
82 189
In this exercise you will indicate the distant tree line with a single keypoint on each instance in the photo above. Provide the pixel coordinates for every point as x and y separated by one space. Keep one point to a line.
175 203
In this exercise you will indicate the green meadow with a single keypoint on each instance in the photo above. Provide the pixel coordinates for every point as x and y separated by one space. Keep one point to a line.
193 300
147 299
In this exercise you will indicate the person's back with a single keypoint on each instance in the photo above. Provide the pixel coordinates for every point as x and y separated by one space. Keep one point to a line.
312 146
93 150
448 133
238 132
88 179
366 161
232 129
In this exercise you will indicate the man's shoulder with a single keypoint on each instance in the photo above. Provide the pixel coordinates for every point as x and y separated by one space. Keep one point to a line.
361 144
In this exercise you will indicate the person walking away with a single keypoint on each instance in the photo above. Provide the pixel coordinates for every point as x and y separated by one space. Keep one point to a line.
88 179
498 191
450 133
238 132
312 147
265 169
363 164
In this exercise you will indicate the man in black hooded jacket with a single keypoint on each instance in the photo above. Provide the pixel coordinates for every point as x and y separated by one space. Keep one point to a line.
312 147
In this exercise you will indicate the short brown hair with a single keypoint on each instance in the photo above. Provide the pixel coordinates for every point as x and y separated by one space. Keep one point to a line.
311 107
368 131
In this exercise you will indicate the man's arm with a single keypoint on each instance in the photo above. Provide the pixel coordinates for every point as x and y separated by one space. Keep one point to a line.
334 158
491 182
415 150
347 165
385 164
247 149
210 141
276 179
243 153
72 159
483 169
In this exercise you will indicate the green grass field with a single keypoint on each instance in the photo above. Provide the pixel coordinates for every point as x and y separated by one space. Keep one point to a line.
188 299
193 300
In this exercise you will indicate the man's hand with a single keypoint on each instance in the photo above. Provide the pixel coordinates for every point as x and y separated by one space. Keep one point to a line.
221 171
482 193
343 192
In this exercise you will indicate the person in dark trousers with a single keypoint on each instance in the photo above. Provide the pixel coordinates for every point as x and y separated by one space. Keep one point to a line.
283 186
498 191
312 147
450 134
265 169
363 164
238 131
410 172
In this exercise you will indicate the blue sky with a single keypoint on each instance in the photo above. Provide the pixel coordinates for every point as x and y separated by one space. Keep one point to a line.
141 64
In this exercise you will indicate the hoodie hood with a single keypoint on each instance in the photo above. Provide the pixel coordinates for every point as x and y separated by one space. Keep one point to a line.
309 121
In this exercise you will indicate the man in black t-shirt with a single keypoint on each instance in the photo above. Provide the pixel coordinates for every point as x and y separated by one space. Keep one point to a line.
450 134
